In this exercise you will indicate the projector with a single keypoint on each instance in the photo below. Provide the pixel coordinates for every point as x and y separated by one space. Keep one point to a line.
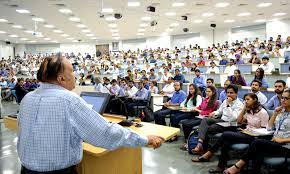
184 18
151 8
118 15
212 25
153 23
185 30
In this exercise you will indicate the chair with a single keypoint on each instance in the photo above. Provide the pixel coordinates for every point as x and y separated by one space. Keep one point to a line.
146 104
273 164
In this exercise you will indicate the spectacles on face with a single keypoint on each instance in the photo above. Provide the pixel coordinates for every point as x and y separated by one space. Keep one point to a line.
285 98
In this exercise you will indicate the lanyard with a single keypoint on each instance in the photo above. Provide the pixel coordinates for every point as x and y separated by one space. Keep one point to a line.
281 121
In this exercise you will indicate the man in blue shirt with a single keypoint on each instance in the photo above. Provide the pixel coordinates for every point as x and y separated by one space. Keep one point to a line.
140 98
54 122
224 60
177 98
223 94
178 76
275 101
199 80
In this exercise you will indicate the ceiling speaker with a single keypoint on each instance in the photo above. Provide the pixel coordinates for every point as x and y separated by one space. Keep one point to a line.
185 30
213 25
184 18
151 8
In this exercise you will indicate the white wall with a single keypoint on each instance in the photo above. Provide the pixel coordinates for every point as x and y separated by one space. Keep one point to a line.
220 36
42 48
250 32
78 48
275 28
162 42
6 50
185 40
133 44
20 49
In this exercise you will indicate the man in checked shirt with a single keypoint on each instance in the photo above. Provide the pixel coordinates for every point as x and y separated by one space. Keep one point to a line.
53 123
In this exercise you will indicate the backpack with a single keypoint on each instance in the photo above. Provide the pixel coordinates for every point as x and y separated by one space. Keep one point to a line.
192 141
147 114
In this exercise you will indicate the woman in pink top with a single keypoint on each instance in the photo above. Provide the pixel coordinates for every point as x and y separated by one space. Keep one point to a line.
254 115
209 103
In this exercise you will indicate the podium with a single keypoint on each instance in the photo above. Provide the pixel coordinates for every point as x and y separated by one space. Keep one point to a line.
123 160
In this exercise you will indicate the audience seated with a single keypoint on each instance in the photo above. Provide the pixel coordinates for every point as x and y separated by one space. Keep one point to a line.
20 90
237 78
177 98
228 111
275 101
255 88
260 148
259 75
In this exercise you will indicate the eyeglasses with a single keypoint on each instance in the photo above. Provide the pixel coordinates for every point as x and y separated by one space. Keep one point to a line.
285 98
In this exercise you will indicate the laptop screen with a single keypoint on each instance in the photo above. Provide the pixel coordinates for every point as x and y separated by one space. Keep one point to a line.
98 101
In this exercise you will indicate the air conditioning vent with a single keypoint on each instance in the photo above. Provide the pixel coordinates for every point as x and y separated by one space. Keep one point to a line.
240 5
60 5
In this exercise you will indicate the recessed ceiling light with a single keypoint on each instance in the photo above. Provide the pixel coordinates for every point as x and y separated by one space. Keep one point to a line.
74 19
65 11
169 30
70 38
32 41
110 18
13 35
143 25
17 26
54 41
229 21
264 4
112 25
146 18
115 34
2 32
23 39
116 38
39 35
170 14
114 30
141 30
65 35
29 31
94 38
133 4
275 19
3 20
244 14
86 31
207 14
174 24
49 26
107 10
38 19
279 14
22 11
47 38
81 26
75 41
177 4
57 31
260 20
140 34
198 21
90 35
222 4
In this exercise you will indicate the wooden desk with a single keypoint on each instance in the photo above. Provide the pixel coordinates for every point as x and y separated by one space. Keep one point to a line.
97 160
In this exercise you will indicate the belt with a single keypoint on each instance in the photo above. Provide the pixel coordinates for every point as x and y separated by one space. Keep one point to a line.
69 170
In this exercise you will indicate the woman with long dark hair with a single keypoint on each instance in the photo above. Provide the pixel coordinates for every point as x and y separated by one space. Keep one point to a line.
259 75
192 100
254 115
237 78
208 105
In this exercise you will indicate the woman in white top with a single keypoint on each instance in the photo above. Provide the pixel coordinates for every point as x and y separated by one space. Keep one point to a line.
193 99
153 87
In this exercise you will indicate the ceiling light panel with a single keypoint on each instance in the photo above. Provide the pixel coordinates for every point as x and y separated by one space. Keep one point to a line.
133 4
178 4
3 20
22 11
143 25
264 4
198 21
229 21
86 31
146 18
107 10
279 14
17 26
38 19
74 19
81 26
65 11
244 14
207 14
222 4
3 32
58 31
170 14
110 18
49 26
